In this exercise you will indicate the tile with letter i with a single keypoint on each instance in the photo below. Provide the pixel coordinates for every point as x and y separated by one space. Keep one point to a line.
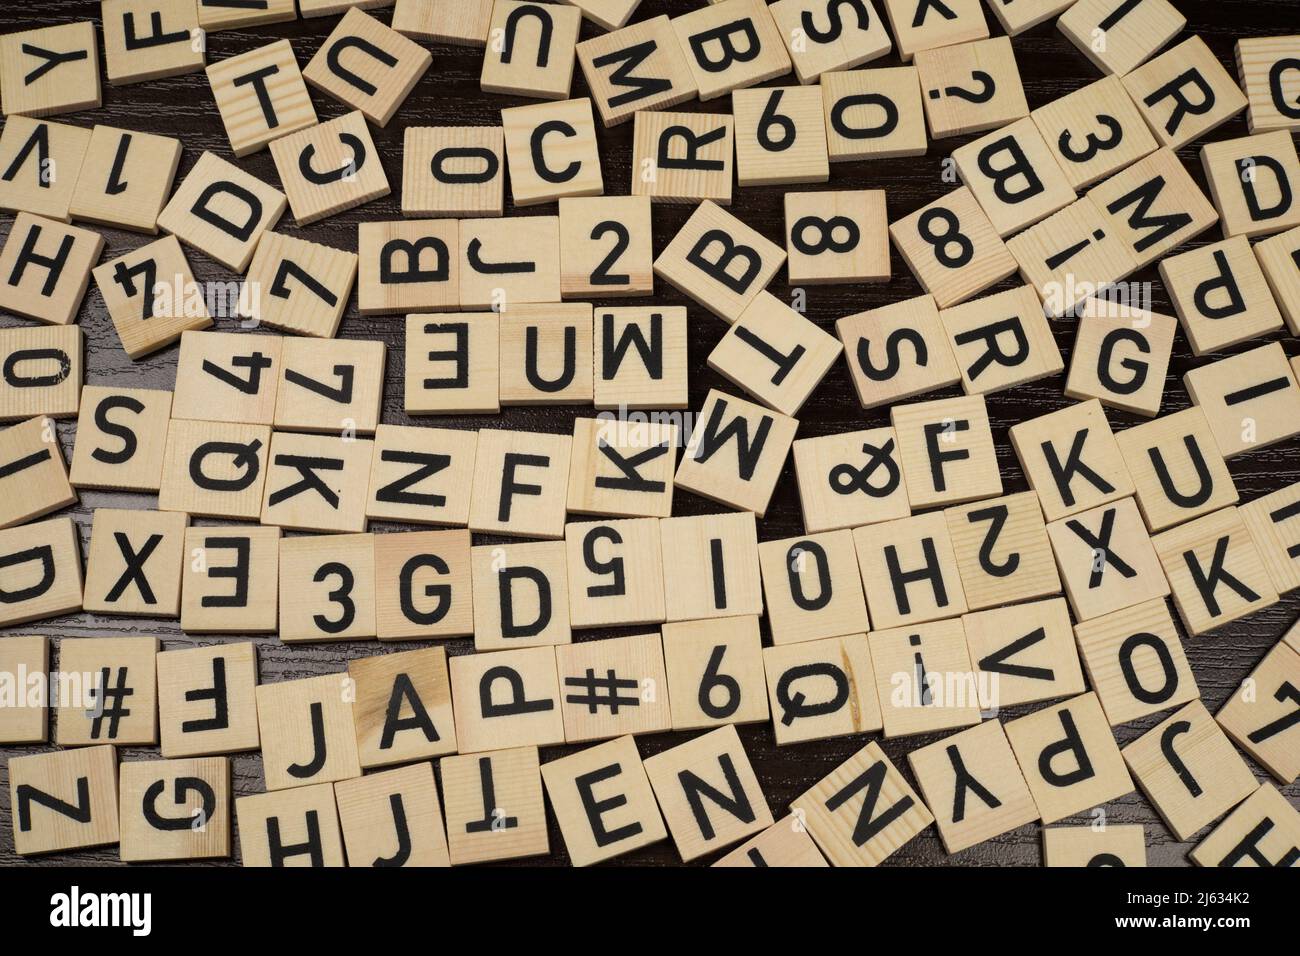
27 658
636 69
45 268
40 372
393 818
952 248
909 571
1184 93
837 237
780 136
261 96
1255 182
1279 257
126 178
135 562
605 246
520 483
330 385
1001 341
118 699
283 828
317 482
1121 357
151 39
1014 176
42 563
946 451
615 573
1220 294
970 87
622 468
731 44
531 49
1025 651
422 475
822 689
206 700
453 171
1263 715
33 477
1276 533
821 38
715 672
494 271
329 168
423 584
897 351
1095 131
1266 66
494 806
50 70
307 731
1002 550
926 24
924 678
151 296
613 687
552 152
1251 400
711 565
40 162
850 479
1106 559
403 707
1115 845
230 579
683 157
1119 35
785 843
1264 830
368 66
506 699
521 595
546 354
64 800
873 114
175 809
327 588
641 357
812 587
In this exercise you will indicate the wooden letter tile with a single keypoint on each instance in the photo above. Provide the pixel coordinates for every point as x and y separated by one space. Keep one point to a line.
45 268
785 843
453 171
1264 830
1279 258
1220 295
1106 559
780 136
452 362
113 697
298 827
422 475
1110 845
970 87
821 689
423 584
1254 181
227 377
33 477
848 39
682 157
261 96
1251 400
725 546
909 571
42 372
1121 357
403 707
307 731
1266 66
231 14
229 582
546 354
882 370
729 45
1071 459
368 66
715 672
837 237
613 687
812 587
327 587
393 818
216 469
850 479
494 804
329 168
873 114
126 178
1025 653
151 296
175 809
615 573
952 248
505 263
1273 527
924 678
408 266
40 162
552 151
25 660
946 450
1261 715
636 69
151 39
521 595
622 468
1001 341
206 699
1184 93
640 357
50 70
1002 550
135 563
505 699
65 800
530 49
1014 176
42 563
1118 35
924 25
317 482
520 483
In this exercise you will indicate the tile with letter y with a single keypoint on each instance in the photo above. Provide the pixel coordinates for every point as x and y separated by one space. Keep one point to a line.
307 731
494 805
1263 715
50 70
393 818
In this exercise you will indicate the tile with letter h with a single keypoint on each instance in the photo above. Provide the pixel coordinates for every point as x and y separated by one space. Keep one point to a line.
909 570
1264 830
282 828
45 268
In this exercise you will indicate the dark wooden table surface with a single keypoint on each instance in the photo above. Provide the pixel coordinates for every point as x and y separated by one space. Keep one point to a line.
449 95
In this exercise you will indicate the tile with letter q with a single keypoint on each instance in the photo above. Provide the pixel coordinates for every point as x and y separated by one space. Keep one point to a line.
724 547
307 731
494 806
403 707
521 595
64 800
206 699
393 818
635 69
282 828
715 672
33 477
821 689
108 692
42 564
175 809
534 54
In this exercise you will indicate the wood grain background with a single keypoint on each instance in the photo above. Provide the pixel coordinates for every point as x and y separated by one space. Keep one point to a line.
449 95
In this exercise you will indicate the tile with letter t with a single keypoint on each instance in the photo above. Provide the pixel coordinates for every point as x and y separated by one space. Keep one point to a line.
45 268
1279 258
329 168
126 178
453 171
393 818
215 469
230 579
1106 560
507 262
506 699
298 827
330 385
711 565
1090 846
532 50
403 708
135 562
683 157
521 595
368 66
1001 341
708 793
1266 66
1220 294
231 14
115 697
1024 653
50 70
622 468
42 565
883 370
909 570
837 237
1002 550
494 805
1014 176
603 802
946 450
151 39
924 678
307 731
635 70
151 296
743 476
848 38
423 585
1263 715
422 475
1093 132
1069 758
1121 357
952 248
873 114
821 689
640 357
317 482
785 843
780 136
227 377
1189 770
863 811
299 286
33 477
1255 182
64 800
605 246
615 573
206 699
1251 400
970 87
715 672
1135 662
613 687
925 25
40 162
849 479
1273 525
408 266
812 587
260 96
520 483
327 587
731 44
546 354
1117 37
452 364
175 809
551 150
1184 93
1264 830
25 660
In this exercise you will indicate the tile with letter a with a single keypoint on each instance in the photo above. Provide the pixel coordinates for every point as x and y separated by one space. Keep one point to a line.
403 707
909 572
821 689
925 24
33 477
725 548
849 479
453 171
1273 527
126 178
785 843
1015 176
206 702
715 672
1255 182
520 483
683 157
117 702
924 678
1267 67
329 168
1093 132
231 14
307 731
1071 459
532 50
330 386
26 658
135 562
227 377
1279 258
708 793
883 371
494 805
1251 400
952 248
42 372
1263 715
229 582
636 69
261 96
1119 35
393 818
873 114
615 573
613 687
1184 93
731 44
30 151
42 565
1106 559
1025 653
506 699
45 268
64 800
1069 758
1189 770
546 354
552 152
780 136
837 237
863 811
151 296
452 363
1002 550
222 211
970 87
368 66
521 595
743 476
175 809
946 450
812 587
847 39
50 70
317 482
215 469
603 802
1263 831
1121 357
1112 845
590 264
1135 662
408 266
298 827
640 357
327 588
495 270
622 468
423 583
151 39
1001 341
1220 294
422 475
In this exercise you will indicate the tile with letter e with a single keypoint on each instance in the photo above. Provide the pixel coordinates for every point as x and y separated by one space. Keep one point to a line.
64 800
327 587
546 354
849 479
230 14
848 38
25 660
45 268
1001 341
1106 559
368 66
946 450
126 178
952 248
622 468
330 385
494 806
1184 93
708 793
1264 829
613 687
1279 258
909 570
1071 459
636 69
592 264
863 811
1255 182
1266 66
682 157
30 151
42 564
780 136
1119 35
1121 357
1095 131
1025 653
873 114
215 469
175 809
970 87
729 45
640 357
785 843
329 168
552 152
821 689
317 482
33 477
837 237
422 475
206 699
521 595
423 585
925 25
227 377
883 370
812 587
403 707
1003 554
615 573
924 678
531 51
298 827
151 296
504 263
452 363
151 39
230 577
118 699
50 70
261 96
724 547
453 171
1014 176
1261 715
303 286
408 266
393 818
715 672
1251 400
506 699
1220 294
307 731
1111 845
135 562
1273 527
520 483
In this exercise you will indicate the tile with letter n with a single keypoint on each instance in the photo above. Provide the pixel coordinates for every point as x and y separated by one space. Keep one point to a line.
683 157
1184 93
494 805
849 479
1255 182
317 482
1279 258
50 70
327 587
230 580
1003 554
1014 175
1095 131
521 595
135 562
603 802
546 354
115 699
452 363
731 44
1069 758
300 286
821 38
504 263
1220 294
1025 653
708 793
368 66
873 114
822 689
1273 527
636 69
214 469
946 450
622 468
453 171
298 827
1071 459
1189 770
423 585
952 248
640 357
1266 66
260 96
837 237
1106 559
1130 33
30 151
1121 357
393 818
925 24
403 707
592 264
45 268
863 811
615 573
307 731
909 571
715 672
422 475
330 385
1263 715
227 377
551 150
743 476
532 50
785 843
711 565
42 565
613 687
410 266
1251 400
329 168
206 702
506 699
1001 341
520 483
175 809
780 136
151 39
126 178
151 296
1111 845
883 370
924 678
719 261
26 658
231 14
1135 662
1264 830
64 800
33 477
812 587
970 87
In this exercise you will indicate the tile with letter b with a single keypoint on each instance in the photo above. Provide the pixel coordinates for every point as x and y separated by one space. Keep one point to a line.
731 44
1121 357
1002 550
329 168
592 264
1260 716
1184 93
307 731
135 562
298 827
520 483
151 296
821 689
494 806
946 450
622 468
1024 653
25 659
423 585
302 286
505 699
909 570
393 818
230 579
422 475
409 266
1071 459
615 573
330 385
837 237
683 157
1095 131
1264 830
531 52
1112 845
504 263
812 587
1220 294
711 565
546 354
214 469
1015 176
925 25
206 699
952 248
521 595
50 70
260 96
785 843
151 39
368 66
45 268
117 702
33 477
613 687
924 678
1279 258
849 479
715 672
848 38
175 809
63 800
317 482
42 564
640 357
1001 341
873 114
1273 527
780 136
1251 400
403 707
228 377
452 363
327 587
552 152
41 161
970 87
882 369
1106 559
453 171
1266 66
1255 182
1119 35
126 178
636 69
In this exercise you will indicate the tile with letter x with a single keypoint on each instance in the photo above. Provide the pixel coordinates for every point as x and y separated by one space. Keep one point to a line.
821 689
909 571
1264 829
1095 131
506 699
329 168
924 678
1121 357
615 572
636 70
622 468
952 248
298 827
1266 66
423 583
151 39
41 161
883 371
812 587
1025 653
1119 36
135 562
925 25
1254 181
64 800
330 386
301 286
452 363
422 475
613 687
1106 559
708 793
27 658
715 672
1263 715
230 578
1251 400
317 482
847 40
683 157
520 483
33 477
151 296
1220 294
946 450
590 264
42 564
970 87
126 179
215 469
1071 459
453 171
1003 554
552 152
50 70
873 114
1001 341
546 355
206 699
1112 845
327 587
393 818
862 811
1272 521
640 357
532 50
408 266
724 547
115 697
261 96
521 595
506 262
228 377
731 44
307 731
403 708
785 843
368 66
837 237
175 809
45 268
849 479
1162 87
494 805
780 136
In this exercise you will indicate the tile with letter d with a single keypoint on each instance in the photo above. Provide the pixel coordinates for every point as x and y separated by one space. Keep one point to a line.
909 570
42 563
1255 182
521 595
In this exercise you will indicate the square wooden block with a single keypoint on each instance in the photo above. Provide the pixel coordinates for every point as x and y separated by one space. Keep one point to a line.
1025 653
952 248
780 136
1273 527
261 96
135 563
1017 16
495 270
546 354
520 483
970 87
231 14
368 66
403 707
731 44
1221 295
422 579
114 699
300 286
41 161
1260 715
1279 258
615 573
726 546
552 152
175 809
1014 176
42 563
924 678
1186 73
640 357
535 51
1002 550
613 687
1132 32
822 689
873 114
317 482
216 469
1254 181
45 269
683 157
64 800
622 468
1111 845
922 25
453 171
521 595
329 168
885 372
307 731
812 587
1001 341
1264 829
228 377
230 580
452 363
847 41
506 699
1106 560
151 296
206 699
946 450
1266 68
785 843
393 818
151 39
1095 131
327 588
326 8
126 178
715 672
50 70
1121 357
33 477
408 266
837 237
25 659
421 475
590 264
1251 400
609 14
494 805
909 570
330 386
1071 459
849 479
298 827
636 69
